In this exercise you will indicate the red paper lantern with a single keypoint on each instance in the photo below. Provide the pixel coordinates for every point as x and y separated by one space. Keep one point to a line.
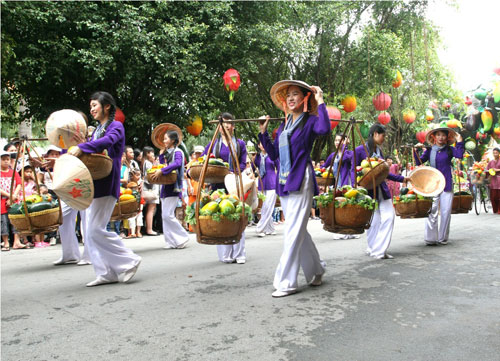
421 136
333 113
409 116
119 116
382 101
384 118
231 82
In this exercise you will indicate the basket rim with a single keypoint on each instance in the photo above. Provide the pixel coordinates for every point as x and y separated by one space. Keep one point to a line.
35 214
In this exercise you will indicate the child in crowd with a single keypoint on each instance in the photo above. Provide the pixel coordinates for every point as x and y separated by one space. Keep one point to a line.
135 223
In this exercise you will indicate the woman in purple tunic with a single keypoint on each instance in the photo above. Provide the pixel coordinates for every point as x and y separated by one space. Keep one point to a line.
379 234
236 252
307 118
439 156
112 261
173 232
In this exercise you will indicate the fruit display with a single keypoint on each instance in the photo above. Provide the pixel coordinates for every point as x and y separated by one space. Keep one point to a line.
127 194
128 204
218 206
169 178
346 195
462 202
411 205
34 203
371 169
216 171
211 161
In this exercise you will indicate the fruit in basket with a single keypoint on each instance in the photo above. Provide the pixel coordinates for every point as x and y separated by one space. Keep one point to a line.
351 193
210 207
126 197
226 207
34 198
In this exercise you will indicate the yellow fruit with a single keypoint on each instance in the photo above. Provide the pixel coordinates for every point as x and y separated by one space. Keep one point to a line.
351 193
210 207
126 197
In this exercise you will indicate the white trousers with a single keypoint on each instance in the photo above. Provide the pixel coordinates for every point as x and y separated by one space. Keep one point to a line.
135 222
231 252
173 232
433 232
379 234
67 231
266 224
299 250
108 254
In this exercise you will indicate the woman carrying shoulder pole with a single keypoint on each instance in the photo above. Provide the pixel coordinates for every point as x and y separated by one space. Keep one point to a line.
306 118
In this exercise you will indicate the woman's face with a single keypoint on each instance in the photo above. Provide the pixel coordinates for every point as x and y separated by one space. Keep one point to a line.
98 112
294 98
150 156
389 161
229 127
338 138
169 143
496 154
12 148
379 138
441 138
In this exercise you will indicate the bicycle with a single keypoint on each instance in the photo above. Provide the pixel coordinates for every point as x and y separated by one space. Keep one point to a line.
480 195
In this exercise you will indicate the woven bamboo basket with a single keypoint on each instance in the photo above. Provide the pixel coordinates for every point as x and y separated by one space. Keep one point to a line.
350 219
99 165
215 173
461 204
413 209
125 209
379 173
44 221
170 178
325 181
223 232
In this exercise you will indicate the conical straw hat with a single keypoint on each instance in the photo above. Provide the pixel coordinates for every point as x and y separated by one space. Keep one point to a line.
427 181
65 127
278 93
73 182
159 133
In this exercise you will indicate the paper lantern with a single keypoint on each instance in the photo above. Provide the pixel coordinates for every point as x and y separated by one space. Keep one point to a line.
195 127
119 116
409 116
231 82
421 136
381 101
333 113
398 80
384 118
349 103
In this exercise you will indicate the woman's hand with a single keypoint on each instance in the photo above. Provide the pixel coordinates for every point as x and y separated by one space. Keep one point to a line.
263 124
419 145
459 137
318 94
156 175
79 138
75 151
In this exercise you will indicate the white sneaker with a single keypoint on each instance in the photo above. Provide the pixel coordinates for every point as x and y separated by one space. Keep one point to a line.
277 294
99 281
261 234
129 274
53 241
443 242
241 261
83 262
384 256
273 233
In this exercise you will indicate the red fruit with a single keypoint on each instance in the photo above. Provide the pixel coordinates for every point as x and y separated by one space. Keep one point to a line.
195 127
421 136
349 103
468 101
446 105
382 101
231 82
409 116
384 118
398 80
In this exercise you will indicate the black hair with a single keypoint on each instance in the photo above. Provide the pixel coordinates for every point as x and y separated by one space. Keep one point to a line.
129 147
137 152
105 98
174 136
497 149
226 115
370 143
8 145
147 149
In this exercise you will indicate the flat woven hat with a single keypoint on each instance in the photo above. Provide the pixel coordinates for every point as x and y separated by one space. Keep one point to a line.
278 93
452 135
427 181
65 127
159 134
73 182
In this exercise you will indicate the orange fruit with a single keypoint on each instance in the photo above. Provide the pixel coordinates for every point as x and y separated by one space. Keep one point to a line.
349 103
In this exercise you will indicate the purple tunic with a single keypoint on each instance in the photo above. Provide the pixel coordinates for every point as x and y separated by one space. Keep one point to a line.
114 142
301 143
346 170
386 194
224 153
443 161
167 190
269 179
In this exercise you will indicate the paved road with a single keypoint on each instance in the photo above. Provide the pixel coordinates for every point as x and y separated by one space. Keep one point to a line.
429 303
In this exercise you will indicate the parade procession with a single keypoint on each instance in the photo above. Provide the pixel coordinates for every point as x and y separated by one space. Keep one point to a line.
268 202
